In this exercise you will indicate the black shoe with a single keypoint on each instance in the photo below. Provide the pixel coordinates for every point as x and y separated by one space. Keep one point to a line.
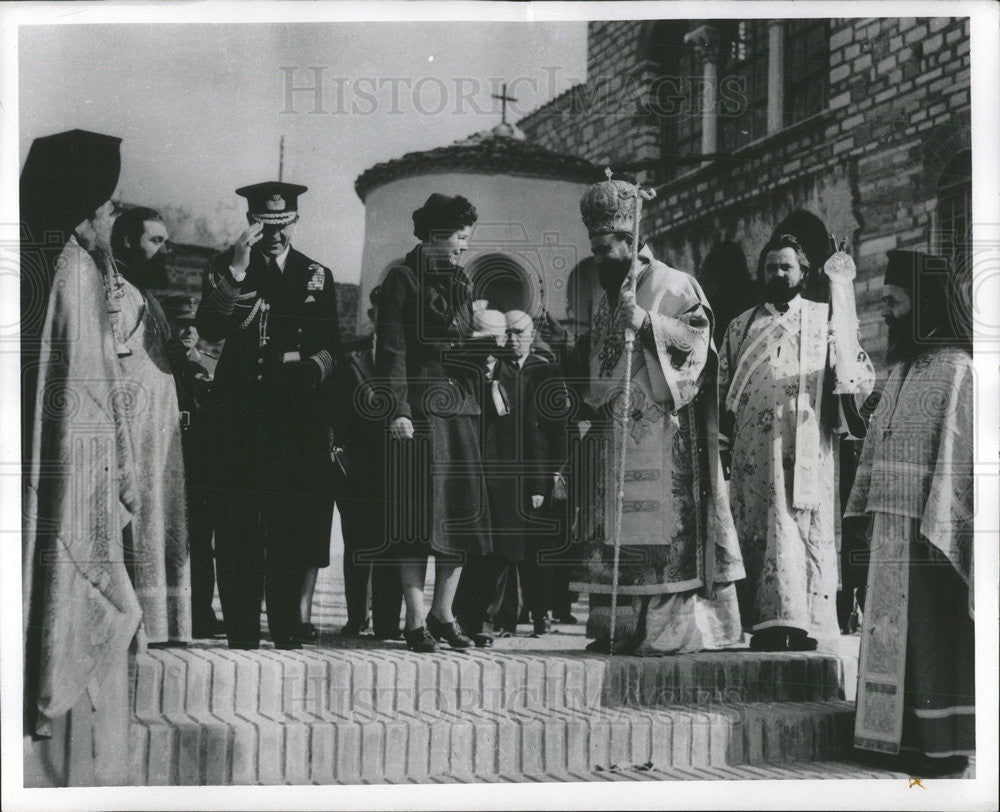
244 646
566 620
775 639
420 640
451 633
353 628
287 645
919 765
623 646
541 626
483 640
388 634
799 640
307 633
208 628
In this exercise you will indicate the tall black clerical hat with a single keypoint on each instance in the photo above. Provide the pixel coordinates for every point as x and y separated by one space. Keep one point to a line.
66 176
935 291
273 202
900 270
920 275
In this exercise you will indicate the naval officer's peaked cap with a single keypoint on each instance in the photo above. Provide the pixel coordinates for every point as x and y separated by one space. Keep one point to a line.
273 202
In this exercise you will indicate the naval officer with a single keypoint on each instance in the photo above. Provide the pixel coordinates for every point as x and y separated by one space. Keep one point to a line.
269 418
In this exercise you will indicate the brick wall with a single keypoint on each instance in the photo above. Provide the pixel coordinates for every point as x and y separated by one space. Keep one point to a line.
602 120
868 166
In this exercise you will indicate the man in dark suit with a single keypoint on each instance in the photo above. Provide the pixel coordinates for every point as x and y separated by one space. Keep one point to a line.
543 397
269 418
487 598
193 366
360 457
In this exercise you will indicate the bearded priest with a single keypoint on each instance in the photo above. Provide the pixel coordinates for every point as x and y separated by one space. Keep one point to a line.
679 554
792 375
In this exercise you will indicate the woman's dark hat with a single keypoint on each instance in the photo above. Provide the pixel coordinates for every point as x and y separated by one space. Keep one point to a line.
441 213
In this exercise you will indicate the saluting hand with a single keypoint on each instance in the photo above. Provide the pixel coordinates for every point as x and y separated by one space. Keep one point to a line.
537 500
633 314
401 428
241 254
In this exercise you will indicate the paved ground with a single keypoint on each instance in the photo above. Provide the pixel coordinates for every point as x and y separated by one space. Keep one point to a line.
330 614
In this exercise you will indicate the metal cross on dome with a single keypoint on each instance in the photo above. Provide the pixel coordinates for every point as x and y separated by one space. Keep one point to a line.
503 98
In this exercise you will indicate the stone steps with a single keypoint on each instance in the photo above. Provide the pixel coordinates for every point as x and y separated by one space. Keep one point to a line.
214 716
346 681
261 749
766 772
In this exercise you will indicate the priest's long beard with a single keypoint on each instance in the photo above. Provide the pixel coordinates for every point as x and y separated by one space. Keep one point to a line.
144 273
902 345
779 291
611 274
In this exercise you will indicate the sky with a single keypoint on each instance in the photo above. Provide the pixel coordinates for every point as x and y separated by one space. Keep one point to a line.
201 108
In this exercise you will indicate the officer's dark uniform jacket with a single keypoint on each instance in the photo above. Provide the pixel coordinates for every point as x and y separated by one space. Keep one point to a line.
270 432
255 409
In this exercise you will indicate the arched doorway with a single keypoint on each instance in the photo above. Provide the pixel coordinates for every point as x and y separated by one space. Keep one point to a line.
503 282
725 279
814 238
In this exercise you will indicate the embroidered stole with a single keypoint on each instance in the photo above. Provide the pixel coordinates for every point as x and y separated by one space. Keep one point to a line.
878 723
812 333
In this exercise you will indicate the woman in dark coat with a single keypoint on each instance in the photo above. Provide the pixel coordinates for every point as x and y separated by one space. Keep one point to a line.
425 357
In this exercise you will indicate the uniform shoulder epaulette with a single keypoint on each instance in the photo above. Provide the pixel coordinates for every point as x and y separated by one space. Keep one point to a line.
318 279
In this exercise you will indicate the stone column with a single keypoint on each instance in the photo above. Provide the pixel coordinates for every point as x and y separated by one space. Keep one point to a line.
705 39
775 75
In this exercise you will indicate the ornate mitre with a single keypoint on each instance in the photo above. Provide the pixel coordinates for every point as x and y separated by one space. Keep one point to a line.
608 207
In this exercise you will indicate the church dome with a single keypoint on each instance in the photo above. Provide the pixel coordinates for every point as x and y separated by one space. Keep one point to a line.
502 150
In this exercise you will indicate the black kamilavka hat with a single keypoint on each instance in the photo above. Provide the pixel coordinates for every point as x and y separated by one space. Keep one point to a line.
65 177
